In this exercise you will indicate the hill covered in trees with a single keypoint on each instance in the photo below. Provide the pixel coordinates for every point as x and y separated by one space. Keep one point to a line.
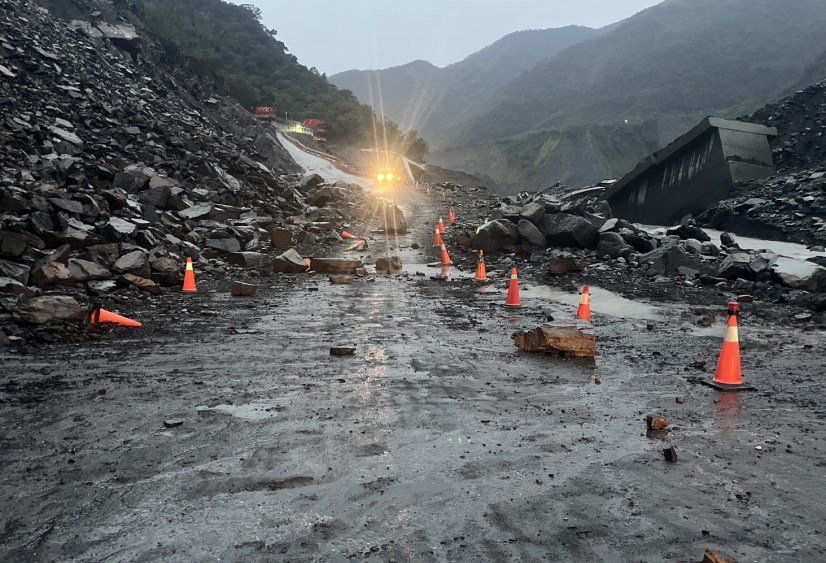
228 43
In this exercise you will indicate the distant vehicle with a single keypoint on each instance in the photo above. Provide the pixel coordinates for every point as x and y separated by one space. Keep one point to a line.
265 113
385 179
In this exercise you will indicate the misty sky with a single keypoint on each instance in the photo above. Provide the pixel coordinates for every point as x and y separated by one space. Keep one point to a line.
337 35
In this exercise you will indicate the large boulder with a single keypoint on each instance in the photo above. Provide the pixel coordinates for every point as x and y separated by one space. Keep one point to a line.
84 270
49 308
495 235
613 245
533 212
687 231
290 262
669 259
224 244
735 265
799 274
565 230
135 262
389 264
530 233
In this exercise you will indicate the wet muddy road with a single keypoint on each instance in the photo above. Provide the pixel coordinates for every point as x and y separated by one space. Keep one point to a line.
224 430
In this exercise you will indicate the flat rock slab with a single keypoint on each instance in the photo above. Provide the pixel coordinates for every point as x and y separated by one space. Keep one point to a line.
342 350
389 264
560 340
241 289
336 265
341 279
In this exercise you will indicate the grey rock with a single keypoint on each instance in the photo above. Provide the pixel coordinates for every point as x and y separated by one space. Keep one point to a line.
565 230
198 211
735 265
564 262
668 259
336 265
530 233
117 229
613 245
533 212
495 235
135 262
15 271
49 308
389 264
290 262
246 259
224 244
84 270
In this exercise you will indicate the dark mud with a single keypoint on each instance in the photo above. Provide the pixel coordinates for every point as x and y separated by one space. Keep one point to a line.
437 441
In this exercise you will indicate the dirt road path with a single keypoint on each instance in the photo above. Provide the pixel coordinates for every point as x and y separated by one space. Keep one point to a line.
242 439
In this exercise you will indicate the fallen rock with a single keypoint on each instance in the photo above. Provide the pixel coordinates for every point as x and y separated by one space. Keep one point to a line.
393 220
224 244
562 340
14 287
341 279
668 259
389 264
49 308
565 230
711 556
656 422
14 271
246 259
143 284
670 454
613 245
135 262
84 270
799 274
530 233
289 262
533 212
336 265
241 289
342 350
495 235
561 262
735 265
281 238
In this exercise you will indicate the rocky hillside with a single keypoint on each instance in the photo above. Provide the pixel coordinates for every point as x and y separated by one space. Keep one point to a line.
117 166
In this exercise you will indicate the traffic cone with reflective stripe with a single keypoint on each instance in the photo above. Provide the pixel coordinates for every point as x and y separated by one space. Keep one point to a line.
512 299
441 226
444 196
100 316
481 272
584 310
452 217
189 277
437 238
728 376
446 261
346 235
309 262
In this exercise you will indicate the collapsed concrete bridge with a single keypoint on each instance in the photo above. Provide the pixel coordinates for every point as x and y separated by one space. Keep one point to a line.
697 169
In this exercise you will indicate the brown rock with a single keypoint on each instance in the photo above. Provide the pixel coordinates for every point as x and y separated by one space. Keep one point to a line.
561 340
245 259
336 265
341 279
143 284
52 274
711 556
342 350
389 264
281 238
241 289
656 422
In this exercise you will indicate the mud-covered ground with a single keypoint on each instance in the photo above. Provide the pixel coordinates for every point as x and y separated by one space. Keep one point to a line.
224 430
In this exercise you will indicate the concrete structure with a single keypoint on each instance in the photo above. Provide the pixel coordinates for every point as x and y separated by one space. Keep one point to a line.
697 169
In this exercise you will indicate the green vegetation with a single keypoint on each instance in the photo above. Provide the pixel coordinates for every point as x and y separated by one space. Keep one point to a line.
228 43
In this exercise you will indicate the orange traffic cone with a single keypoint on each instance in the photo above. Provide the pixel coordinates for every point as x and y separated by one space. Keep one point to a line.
481 272
437 238
728 376
584 310
309 262
189 277
100 316
346 235
513 291
446 261
452 217
444 196
441 226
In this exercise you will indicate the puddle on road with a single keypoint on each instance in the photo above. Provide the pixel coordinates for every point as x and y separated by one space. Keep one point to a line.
603 301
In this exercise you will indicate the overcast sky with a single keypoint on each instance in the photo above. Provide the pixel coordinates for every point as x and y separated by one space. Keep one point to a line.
337 35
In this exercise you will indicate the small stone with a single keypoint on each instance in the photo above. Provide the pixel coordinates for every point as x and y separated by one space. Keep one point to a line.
656 422
241 289
342 350
173 422
598 380
670 454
